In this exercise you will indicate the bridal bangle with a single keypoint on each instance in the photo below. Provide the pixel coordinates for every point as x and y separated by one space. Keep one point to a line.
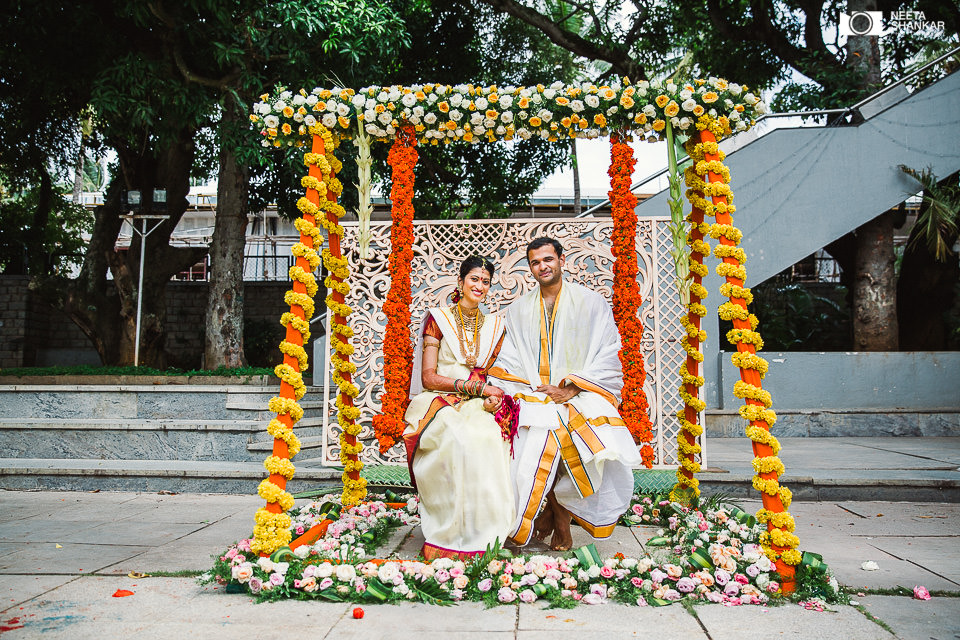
469 387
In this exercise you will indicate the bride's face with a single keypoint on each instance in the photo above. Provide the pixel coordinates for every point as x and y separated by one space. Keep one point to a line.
475 287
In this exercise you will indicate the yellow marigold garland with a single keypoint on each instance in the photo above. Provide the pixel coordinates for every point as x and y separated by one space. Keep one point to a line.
779 542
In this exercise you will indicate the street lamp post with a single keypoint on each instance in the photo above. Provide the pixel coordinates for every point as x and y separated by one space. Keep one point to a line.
133 200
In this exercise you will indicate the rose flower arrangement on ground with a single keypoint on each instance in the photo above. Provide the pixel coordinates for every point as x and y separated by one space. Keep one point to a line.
706 555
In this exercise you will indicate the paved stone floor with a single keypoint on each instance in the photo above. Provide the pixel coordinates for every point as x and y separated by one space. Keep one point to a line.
63 555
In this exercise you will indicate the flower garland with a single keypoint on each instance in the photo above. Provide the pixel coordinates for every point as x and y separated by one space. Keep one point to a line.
354 486
441 113
272 524
779 542
397 347
687 484
626 294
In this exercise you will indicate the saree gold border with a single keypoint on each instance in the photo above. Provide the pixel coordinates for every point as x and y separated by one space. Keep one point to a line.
572 461
502 374
597 531
526 398
586 385
547 459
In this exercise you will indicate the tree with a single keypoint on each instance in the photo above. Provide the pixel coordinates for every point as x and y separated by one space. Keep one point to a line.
766 43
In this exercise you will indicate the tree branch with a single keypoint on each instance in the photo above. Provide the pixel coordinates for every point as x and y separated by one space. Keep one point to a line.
570 41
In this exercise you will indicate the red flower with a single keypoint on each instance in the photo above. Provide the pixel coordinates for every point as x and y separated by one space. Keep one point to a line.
634 408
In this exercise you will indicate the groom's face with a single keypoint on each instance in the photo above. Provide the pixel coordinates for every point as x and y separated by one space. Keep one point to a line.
545 265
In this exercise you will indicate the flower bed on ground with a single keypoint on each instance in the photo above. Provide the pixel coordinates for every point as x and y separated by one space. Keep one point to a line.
710 554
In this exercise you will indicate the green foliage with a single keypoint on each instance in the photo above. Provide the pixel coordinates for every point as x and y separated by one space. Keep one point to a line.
795 318
23 237
939 219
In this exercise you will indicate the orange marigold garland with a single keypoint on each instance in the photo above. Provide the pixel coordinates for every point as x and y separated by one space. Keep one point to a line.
397 347
626 294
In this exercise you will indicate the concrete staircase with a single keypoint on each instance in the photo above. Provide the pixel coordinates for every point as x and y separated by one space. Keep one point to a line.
152 438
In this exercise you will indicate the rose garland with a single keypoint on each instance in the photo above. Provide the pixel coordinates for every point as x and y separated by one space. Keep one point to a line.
397 347
779 542
626 294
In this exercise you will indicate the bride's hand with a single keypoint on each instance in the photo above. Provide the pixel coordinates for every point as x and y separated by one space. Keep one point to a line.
492 391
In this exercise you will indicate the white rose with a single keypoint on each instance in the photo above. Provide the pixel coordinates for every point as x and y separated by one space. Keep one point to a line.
456 99
481 103
298 100
272 122
279 105
476 118
385 118
372 129
345 572
455 115
545 115
650 111
506 117
382 96
265 563
689 104
760 108
331 106
358 101
612 110
506 102
749 98
370 115
489 122
524 134
686 94
592 101
557 85
734 89
286 95
342 109
418 111
549 94
387 572
430 118
329 120
500 131
394 94
671 88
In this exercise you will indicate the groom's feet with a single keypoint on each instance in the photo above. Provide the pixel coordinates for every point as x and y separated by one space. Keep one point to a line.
562 539
543 525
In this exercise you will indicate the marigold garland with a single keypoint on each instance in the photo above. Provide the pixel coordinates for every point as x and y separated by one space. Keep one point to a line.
397 347
779 543
634 408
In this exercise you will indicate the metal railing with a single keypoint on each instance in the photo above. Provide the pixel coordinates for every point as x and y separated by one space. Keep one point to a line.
803 114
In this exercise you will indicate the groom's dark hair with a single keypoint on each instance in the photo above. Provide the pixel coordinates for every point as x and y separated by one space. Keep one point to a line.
543 241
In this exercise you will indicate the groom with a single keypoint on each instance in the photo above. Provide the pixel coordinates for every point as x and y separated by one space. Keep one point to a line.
573 452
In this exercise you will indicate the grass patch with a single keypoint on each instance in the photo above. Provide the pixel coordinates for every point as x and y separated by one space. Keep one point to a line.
874 619
903 591
183 573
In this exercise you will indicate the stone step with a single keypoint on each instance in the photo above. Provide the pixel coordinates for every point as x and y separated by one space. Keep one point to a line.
199 402
179 476
158 439
827 423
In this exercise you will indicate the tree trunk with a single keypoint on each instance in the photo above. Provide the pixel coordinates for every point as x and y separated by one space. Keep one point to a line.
574 162
78 171
874 279
874 287
106 311
223 343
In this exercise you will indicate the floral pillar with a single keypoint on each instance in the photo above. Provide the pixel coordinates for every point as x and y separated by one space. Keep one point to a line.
626 294
779 542
397 348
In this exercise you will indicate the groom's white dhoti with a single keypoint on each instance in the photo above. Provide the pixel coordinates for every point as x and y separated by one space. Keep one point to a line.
585 436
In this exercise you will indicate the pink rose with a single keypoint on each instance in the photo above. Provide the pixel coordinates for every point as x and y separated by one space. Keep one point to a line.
591 598
460 582
527 595
773 587
506 595
742 579
606 572
635 581
641 602
921 593
638 509
485 585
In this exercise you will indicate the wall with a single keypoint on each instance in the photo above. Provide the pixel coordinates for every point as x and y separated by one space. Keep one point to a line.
34 334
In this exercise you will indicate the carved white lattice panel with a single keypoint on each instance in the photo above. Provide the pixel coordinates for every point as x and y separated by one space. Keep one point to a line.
440 246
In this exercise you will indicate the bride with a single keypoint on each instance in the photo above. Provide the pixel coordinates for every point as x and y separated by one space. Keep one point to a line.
457 451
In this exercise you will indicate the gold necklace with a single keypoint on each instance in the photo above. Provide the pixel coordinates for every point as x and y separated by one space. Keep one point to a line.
467 345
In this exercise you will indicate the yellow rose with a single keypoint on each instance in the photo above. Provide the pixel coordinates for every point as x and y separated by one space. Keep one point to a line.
626 101
698 110
659 125
491 114
535 121
672 109
563 101
343 122
662 100
523 102
288 112
443 106
599 120
286 129
710 96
